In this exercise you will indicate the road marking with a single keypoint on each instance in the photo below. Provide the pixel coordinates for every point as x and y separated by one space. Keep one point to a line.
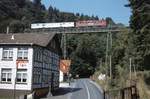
88 92
97 86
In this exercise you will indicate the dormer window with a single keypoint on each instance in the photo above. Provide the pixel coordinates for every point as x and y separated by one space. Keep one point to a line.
7 53
23 53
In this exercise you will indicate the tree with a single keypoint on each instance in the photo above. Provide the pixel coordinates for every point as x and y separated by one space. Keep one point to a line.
85 51
25 12
140 23
19 14
16 26
110 21
121 52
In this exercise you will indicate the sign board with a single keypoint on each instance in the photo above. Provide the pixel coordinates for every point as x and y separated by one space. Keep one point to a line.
65 65
21 63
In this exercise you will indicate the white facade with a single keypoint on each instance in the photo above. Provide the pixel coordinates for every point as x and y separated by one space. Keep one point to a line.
33 67
10 67
61 76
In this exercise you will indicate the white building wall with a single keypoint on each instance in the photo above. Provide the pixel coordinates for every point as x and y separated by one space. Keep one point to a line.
61 76
12 65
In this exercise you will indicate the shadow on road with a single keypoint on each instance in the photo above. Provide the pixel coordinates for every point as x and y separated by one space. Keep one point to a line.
64 90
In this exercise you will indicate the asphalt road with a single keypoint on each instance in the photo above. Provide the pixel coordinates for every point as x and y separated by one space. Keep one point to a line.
80 89
87 90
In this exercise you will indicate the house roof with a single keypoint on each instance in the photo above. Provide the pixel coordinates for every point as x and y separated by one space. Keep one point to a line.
41 39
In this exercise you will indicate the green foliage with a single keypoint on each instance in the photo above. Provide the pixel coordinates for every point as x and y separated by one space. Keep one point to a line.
85 51
110 21
22 13
81 67
17 26
133 44
140 23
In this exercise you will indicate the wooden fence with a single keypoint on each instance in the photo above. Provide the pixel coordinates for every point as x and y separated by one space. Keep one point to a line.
126 93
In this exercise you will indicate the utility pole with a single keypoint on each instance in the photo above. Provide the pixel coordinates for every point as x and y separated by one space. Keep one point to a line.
64 46
64 41
130 59
106 58
7 30
134 70
110 55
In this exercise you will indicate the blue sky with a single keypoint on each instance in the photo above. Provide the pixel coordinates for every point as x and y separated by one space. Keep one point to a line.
102 8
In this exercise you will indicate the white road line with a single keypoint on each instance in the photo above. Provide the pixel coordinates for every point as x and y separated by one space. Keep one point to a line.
88 92
99 88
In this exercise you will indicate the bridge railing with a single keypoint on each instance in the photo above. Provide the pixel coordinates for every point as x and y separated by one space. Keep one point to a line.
77 30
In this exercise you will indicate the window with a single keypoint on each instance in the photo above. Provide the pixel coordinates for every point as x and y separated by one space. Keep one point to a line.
6 75
7 53
22 76
22 53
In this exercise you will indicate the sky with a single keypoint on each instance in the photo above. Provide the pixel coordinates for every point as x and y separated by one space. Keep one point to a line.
101 8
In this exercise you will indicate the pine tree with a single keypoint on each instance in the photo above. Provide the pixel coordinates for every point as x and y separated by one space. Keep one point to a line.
140 23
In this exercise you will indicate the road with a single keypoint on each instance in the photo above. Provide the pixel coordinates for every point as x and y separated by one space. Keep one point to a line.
80 89
87 90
